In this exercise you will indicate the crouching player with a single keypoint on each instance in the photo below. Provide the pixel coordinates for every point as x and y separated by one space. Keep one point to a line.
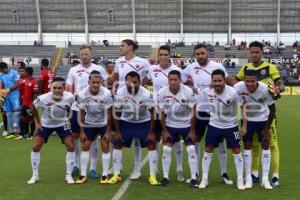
260 112
177 112
137 121
223 123
95 102
56 105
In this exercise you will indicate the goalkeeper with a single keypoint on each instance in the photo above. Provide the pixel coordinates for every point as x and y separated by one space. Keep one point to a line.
268 74
9 79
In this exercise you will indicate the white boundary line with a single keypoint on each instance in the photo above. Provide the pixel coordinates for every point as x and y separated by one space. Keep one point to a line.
126 184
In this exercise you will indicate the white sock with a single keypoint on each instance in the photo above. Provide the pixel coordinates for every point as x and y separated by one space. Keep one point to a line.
192 159
178 148
157 148
206 160
276 175
238 160
152 158
166 160
105 163
197 150
77 152
247 163
35 162
137 154
222 155
265 161
117 160
70 158
255 173
84 160
94 153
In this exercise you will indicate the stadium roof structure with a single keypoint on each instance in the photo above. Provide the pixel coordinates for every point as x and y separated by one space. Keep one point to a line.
149 16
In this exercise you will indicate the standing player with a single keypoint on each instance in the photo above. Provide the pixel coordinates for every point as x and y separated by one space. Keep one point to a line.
177 106
110 70
56 106
30 91
222 124
95 103
46 77
127 63
9 83
200 72
137 121
77 80
266 73
260 112
158 75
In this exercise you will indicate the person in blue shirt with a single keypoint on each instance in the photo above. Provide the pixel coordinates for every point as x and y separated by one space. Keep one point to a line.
9 85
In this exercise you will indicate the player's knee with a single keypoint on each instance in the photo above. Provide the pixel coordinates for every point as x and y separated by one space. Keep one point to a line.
209 149
236 150
151 146
36 147
86 145
248 145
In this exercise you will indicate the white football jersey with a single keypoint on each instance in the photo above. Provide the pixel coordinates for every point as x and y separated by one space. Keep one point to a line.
257 102
177 107
159 77
55 112
137 64
201 76
224 106
78 77
95 106
135 109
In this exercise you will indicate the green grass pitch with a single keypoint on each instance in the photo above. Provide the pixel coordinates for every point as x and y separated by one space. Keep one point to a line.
15 170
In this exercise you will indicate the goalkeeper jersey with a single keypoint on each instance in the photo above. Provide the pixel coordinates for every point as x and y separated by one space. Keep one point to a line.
265 71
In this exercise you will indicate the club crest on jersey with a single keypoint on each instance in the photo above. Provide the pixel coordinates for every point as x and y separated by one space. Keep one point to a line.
183 100
156 74
229 101
263 72
137 66
261 99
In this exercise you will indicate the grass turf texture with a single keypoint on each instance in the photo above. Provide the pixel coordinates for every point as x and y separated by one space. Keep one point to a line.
15 170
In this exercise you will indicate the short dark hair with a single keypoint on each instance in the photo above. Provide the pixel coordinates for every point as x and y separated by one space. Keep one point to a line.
22 67
199 46
95 74
59 79
218 72
3 65
22 64
250 72
174 72
133 74
109 62
165 47
132 43
256 44
29 71
45 62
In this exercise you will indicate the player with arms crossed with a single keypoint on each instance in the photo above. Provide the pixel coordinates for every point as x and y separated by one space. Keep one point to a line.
137 121
78 77
158 75
127 63
200 72
177 107
56 108
268 74
260 112
222 124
